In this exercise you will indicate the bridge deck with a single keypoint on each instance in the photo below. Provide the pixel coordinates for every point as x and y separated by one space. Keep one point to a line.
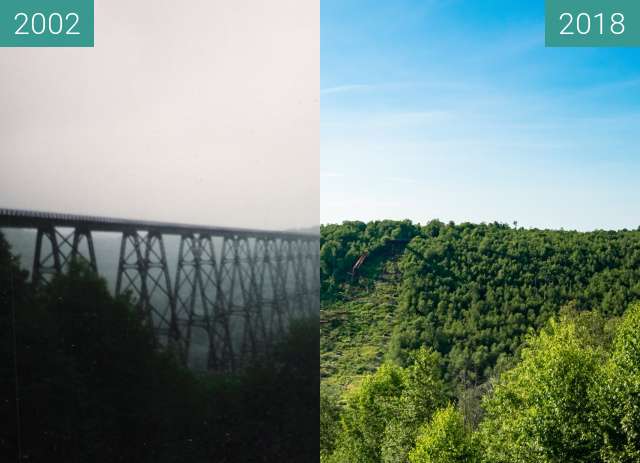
16 218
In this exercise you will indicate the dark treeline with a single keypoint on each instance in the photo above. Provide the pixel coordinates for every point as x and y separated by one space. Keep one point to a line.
472 365
80 381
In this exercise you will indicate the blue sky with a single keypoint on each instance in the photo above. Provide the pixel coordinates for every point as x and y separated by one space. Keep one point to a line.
455 110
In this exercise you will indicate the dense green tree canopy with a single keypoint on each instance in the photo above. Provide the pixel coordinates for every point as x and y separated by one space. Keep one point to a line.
543 409
572 397
531 336
444 440
381 418
473 292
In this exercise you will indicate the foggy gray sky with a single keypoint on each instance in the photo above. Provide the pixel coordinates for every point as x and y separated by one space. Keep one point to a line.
201 112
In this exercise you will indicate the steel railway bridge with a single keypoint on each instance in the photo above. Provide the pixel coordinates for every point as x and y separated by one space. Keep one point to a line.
239 286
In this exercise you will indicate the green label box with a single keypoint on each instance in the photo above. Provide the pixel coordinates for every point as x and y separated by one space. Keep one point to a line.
592 23
46 23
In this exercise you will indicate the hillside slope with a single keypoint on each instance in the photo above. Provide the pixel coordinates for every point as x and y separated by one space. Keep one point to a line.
470 292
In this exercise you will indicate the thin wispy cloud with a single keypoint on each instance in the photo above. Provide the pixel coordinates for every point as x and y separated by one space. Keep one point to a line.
427 115
389 119
405 85
345 88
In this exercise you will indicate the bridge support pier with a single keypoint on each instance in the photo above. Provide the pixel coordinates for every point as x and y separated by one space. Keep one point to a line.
275 272
78 235
143 272
55 250
46 263
229 308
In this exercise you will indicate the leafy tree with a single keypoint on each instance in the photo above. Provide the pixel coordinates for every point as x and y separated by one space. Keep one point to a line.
571 397
444 440
544 410
619 393
368 410
423 394
382 417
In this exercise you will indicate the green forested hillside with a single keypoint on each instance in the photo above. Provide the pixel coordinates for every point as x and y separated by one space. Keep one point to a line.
470 292
484 343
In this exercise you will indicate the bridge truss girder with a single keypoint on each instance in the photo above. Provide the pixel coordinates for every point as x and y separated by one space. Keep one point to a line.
55 250
242 296
143 272
240 291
